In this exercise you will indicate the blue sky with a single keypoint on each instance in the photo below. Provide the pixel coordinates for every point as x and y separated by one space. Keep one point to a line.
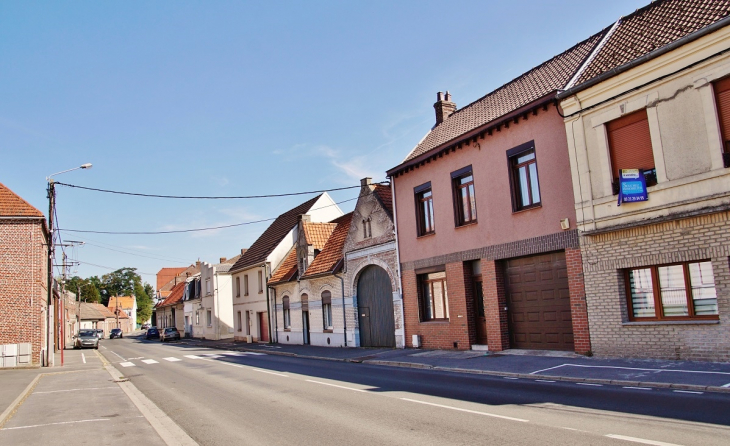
241 98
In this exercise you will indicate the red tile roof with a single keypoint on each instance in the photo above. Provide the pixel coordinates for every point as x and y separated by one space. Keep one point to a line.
543 80
331 255
287 269
384 194
275 233
176 295
167 274
125 302
652 27
104 311
11 205
317 234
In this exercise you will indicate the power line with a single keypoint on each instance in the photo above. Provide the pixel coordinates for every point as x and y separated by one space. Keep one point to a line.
196 229
243 197
137 255
114 269
130 251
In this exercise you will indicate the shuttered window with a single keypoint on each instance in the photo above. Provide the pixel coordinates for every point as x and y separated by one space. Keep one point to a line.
629 144
722 100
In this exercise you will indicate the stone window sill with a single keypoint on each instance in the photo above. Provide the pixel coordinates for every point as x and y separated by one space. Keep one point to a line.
328 331
697 322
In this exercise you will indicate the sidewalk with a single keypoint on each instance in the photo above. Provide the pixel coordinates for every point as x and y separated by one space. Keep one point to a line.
86 401
530 364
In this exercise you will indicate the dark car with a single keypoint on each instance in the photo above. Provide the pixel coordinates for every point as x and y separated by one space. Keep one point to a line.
152 333
116 333
86 339
170 334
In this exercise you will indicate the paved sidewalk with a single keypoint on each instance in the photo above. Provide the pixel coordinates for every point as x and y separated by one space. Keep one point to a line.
686 375
83 402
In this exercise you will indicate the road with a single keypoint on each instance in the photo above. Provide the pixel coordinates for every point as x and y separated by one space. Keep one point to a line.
224 398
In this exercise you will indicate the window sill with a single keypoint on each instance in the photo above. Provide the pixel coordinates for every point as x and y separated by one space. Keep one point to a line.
287 330
666 322
426 235
328 331
466 225
435 321
531 208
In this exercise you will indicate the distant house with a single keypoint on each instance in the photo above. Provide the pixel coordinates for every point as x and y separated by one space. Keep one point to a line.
308 293
251 300
23 268
214 316
126 304
169 312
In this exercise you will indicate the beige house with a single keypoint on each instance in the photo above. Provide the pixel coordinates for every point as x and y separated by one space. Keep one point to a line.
655 96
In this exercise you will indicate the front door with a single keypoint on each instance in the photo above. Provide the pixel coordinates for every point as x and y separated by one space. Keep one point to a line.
264 326
481 320
375 308
305 327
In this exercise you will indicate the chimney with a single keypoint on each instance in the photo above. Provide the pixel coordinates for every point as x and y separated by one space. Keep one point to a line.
243 251
367 181
444 107
222 259
305 218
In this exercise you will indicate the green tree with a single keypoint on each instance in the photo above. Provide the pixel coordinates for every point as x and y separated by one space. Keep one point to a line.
144 302
88 291
121 282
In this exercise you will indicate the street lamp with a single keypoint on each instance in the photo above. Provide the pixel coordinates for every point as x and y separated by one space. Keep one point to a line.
51 256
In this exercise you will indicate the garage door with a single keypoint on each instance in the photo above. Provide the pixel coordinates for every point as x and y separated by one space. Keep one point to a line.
539 302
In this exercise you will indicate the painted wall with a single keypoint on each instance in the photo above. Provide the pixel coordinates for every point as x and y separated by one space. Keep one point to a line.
497 223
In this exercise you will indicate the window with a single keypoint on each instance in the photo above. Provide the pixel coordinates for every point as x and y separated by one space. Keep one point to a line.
287 314
207 286
209 318
261 281
238 287
671 292
239 321
197 318
722 102
433 297
327 310
465 205
424 209
523 177
629 143
245 285
367 230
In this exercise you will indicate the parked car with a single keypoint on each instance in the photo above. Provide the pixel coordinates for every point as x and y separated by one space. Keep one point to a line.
145 326
116 333
86 339
99 333
152 333
170 334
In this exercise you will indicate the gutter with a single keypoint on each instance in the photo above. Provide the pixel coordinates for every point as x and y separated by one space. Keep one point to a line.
645 58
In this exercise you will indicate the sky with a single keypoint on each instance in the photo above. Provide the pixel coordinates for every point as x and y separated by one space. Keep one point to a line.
223 98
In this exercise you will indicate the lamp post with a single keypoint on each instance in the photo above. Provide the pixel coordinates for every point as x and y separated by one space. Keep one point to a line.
51 256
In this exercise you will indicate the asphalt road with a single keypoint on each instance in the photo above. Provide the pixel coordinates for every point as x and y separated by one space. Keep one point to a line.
242 398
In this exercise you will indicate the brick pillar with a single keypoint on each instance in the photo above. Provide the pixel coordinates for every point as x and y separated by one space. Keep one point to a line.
410 305
495 301
458 311
578 307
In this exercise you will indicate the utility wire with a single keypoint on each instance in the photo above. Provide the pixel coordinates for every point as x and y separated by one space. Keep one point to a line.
138 255
196 229
114 269
130 251
207 198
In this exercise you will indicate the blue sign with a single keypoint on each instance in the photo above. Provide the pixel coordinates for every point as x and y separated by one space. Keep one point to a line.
632 186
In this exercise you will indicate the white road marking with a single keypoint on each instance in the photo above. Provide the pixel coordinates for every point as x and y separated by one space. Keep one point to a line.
466 410
689 391
509 377
54 424
544 381
590 384
569 428
150 361
271 373
335 385
549 368
127 364
244 367
103 347
83 358
212 356
120 356
725 385
254 353
707 372
172 359
193 356
76 390
640 440
637 388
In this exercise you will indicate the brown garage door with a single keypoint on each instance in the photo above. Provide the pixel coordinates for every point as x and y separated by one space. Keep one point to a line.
539 302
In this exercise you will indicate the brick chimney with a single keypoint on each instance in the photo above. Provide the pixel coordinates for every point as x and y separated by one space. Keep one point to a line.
222 259
444 107
305 218
367 181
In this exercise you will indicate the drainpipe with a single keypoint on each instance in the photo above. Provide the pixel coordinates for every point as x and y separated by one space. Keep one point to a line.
276 316
265 266
397 256
344 309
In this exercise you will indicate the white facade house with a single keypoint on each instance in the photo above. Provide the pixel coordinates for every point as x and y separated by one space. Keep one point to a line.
251 302
215 312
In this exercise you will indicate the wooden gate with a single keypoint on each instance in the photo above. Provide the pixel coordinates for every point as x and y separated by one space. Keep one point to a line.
375 308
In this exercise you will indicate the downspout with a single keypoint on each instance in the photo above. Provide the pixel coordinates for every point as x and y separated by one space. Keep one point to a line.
268 302
344 312
397 248
276 316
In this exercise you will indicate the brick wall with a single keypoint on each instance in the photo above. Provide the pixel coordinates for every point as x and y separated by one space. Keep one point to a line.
606 255
578 308
23 280
495 302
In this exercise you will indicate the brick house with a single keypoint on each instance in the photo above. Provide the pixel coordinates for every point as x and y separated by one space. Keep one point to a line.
23 280
656 97
126 305
509 277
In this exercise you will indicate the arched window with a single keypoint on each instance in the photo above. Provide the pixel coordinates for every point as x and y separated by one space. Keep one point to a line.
287 315
327 310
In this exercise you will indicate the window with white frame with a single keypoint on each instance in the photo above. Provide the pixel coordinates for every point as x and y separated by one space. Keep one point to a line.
261 281
245 284
327 310
207 286
287 314
209 318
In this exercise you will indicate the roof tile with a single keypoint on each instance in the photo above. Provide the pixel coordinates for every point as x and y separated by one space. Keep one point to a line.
385 195
331 254
317 234
11 205
287 269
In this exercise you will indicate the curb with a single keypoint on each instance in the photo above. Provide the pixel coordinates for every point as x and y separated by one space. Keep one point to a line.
7 413
415 365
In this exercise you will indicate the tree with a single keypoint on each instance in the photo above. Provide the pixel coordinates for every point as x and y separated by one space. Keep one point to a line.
121 282
89 291
144 302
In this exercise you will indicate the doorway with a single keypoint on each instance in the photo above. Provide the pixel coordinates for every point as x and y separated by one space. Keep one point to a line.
375 308
481 320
